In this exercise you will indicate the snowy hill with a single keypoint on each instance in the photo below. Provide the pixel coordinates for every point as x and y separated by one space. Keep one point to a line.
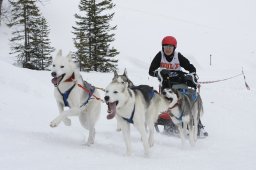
223 29
27 142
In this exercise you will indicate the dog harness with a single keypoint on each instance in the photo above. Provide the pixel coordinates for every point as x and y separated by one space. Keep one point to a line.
90 92
193 95
130 120
148 93
66 94
87 86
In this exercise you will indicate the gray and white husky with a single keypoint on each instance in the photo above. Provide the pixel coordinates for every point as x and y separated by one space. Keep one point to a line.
185 111
81 103
120 79
138 105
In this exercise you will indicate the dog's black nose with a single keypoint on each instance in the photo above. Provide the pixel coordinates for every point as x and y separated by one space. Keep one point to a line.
164 93
54 74
106 98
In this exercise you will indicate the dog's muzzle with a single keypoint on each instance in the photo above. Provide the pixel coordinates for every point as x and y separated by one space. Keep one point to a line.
56 80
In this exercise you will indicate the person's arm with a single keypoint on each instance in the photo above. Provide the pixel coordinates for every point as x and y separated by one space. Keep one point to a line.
155 64
184 62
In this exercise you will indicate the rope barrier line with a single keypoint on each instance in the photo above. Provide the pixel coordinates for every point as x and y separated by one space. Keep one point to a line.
241 74
214 81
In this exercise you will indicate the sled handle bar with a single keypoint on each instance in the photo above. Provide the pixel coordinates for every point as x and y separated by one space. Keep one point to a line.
160 78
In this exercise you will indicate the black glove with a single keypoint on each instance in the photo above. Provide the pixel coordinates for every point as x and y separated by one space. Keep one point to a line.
195 76
164 72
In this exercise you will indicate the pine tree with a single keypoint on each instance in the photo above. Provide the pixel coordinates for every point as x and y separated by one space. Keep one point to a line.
93 36
30 40
41 48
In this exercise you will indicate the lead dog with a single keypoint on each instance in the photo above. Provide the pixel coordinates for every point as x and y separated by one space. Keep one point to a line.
66 79
137 105
185 111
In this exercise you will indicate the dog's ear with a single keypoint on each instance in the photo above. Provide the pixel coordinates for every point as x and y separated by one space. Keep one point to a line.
125 72
115 74
69 57
59 53
176 91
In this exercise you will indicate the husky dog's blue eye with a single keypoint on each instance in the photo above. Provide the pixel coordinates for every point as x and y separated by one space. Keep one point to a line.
115 92
53 65
61 66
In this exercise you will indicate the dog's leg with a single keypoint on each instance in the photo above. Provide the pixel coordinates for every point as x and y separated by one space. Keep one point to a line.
195 130
65 114
125 128
66 120
91 136
118 126
191 129
150 126
142 130
182 131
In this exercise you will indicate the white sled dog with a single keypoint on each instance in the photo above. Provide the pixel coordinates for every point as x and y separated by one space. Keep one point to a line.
138 105
71 91
185 111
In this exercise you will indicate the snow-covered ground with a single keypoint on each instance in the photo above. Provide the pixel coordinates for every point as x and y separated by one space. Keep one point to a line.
223 29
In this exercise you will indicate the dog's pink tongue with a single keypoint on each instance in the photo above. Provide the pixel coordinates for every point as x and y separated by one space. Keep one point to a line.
55 80
111 110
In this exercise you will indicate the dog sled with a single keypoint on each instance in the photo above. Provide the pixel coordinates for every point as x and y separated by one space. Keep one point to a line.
186 84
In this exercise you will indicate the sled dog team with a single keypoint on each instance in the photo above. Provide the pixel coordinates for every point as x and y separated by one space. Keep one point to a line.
129 104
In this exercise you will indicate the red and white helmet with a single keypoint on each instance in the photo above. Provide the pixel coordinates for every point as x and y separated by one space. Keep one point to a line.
169 40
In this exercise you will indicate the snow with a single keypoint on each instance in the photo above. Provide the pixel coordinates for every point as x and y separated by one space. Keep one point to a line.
223 29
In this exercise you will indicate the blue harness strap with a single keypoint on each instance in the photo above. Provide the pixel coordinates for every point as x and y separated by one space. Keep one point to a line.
193 95
130 120
66 94
147 92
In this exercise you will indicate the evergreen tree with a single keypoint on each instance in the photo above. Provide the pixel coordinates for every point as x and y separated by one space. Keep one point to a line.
30 40
93 35
41 48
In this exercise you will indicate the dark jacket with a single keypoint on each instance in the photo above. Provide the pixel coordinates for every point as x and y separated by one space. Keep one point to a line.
184 63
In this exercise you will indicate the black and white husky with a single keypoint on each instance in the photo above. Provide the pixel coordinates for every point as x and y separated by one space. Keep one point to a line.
138 105
120 79
185 111
80 100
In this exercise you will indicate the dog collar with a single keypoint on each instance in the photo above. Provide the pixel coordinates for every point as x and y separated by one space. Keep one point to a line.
71 78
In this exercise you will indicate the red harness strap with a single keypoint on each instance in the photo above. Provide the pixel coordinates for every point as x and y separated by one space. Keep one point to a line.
87 91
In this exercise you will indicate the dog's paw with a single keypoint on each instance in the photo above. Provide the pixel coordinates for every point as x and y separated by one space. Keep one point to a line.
67 122
151 144
89 143
54 124
127 154
151 141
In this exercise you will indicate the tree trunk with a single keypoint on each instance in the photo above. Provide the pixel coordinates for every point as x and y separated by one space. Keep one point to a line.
1 2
